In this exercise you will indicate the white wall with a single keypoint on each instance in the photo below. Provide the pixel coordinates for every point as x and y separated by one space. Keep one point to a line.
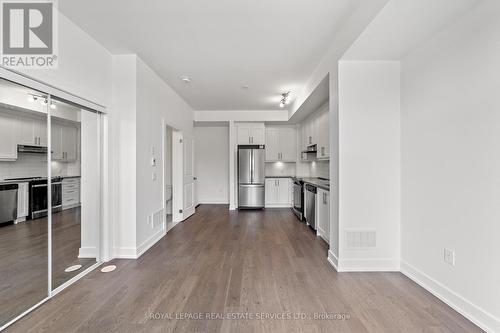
155 101
451 163
123 151
369 162
212 163
84 66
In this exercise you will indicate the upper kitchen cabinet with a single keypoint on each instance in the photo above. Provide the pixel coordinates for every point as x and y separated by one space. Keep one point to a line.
70 143
313 116
8 145
281 144
32 132
323 134
64 142
251 134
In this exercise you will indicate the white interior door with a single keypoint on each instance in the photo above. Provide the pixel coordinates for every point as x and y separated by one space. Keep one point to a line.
189 178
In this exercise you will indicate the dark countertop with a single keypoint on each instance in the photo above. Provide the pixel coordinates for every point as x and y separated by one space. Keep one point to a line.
70 177
280 176
318 182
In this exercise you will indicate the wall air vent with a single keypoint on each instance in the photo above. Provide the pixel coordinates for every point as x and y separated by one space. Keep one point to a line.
156 218
360 239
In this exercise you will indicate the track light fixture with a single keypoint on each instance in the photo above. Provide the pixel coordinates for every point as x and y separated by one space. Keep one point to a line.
285 99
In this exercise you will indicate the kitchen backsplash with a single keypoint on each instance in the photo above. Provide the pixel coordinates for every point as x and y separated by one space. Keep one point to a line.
320 169
36 166
274 169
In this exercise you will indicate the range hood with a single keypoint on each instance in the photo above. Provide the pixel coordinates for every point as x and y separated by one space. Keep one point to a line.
312 149
24 149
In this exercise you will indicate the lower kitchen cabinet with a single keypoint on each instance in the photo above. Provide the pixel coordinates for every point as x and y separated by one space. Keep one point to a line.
278 192
22 202
323 214
70 192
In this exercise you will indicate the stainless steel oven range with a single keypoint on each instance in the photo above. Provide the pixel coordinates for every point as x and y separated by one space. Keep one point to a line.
39 197
298 198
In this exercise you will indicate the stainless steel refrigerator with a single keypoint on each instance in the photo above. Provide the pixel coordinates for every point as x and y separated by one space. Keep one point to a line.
251 177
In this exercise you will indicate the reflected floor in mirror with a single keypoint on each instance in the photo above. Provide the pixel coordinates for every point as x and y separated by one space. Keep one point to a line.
23 260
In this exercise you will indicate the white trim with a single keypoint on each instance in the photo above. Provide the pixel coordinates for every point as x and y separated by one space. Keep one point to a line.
485 320
12 321
88 252
135 253
368 265
148 243
171 225
333 260
124 253
287 205
74 279
28 81
232 207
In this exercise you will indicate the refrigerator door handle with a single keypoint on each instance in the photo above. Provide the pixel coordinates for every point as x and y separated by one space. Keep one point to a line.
251 166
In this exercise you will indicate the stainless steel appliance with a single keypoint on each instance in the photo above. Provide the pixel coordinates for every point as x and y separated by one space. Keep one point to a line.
298 198
39 197
8 202
310 153
310 211
251 177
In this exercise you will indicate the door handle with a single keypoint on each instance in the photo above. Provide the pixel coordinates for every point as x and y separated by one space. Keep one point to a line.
195 178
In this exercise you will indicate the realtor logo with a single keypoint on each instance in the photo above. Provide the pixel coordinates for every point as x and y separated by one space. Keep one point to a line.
28 34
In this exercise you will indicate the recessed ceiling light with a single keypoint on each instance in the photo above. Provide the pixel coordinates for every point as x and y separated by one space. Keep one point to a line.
245 87
185 79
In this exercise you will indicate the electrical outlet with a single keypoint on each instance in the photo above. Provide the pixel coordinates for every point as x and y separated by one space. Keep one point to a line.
449 256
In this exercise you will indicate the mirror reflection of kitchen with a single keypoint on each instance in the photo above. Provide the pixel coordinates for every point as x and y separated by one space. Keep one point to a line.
23 199
74 219
24 195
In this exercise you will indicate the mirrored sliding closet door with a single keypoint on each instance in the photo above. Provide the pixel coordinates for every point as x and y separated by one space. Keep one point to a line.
50 189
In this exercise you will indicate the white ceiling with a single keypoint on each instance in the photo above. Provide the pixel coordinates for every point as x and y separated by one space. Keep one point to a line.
269 45
403 25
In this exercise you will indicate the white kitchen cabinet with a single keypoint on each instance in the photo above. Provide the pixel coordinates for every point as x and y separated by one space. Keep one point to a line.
64 142
8 145
70 143
32 132
278 192
281 144
57 142
70 192
323 134
251 134
323 214
22 202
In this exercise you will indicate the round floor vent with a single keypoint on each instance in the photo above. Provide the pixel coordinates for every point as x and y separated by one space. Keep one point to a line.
107 269
73 268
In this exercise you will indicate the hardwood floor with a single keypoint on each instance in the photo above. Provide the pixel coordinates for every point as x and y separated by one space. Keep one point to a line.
250 263
23 260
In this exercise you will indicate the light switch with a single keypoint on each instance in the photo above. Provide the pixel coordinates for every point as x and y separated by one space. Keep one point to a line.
153 161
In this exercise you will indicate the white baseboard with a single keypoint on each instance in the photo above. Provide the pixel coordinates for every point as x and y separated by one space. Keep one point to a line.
213 202
232 207
368 265
279 206
146 245
135 253
485 320
124 253
333 260
87 252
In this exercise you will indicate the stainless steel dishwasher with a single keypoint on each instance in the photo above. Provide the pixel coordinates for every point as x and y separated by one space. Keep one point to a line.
8 202
310 211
